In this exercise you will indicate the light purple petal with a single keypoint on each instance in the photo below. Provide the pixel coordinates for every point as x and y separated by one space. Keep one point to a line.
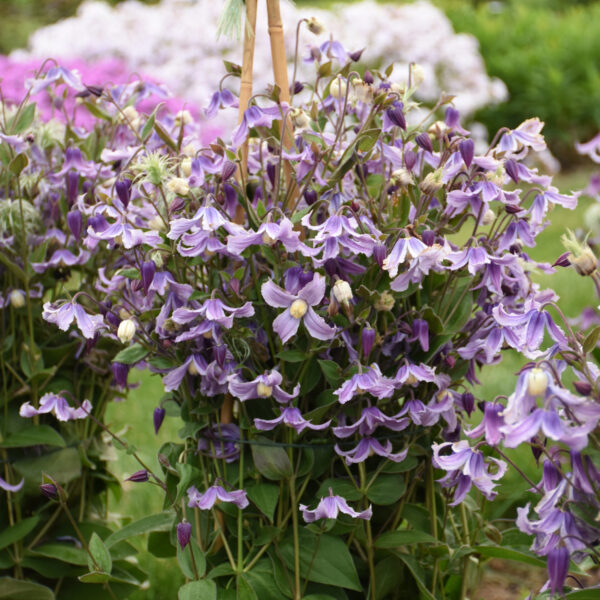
275 296
316 325
286 326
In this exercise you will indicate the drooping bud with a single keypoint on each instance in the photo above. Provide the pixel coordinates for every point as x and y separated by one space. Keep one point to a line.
184 533
424 141
510 166
158 417
379 253
139 476
451 117
176 205
467 151
228 169
131 116
315 26
512 209
120 373
297 87
126 330
396 116
148 271
562 260
468 402
428 237
410 159
368 77
583 387
368 339
342 292
338 88
355 56
558 567
49 490
310 196
17 299
537 382
75 223
123 189
72 187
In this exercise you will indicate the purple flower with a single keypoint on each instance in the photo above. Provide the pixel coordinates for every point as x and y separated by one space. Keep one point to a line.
158 417
52 76
62 258
53 403
591 148
369 380
394 117
370 419
224 98
404 249
466 467
7 487
139 476
193 364
213 310
490 425
120 373
49 490
298 308
420 331
368 339
558 567
292 417
515 143
63 316
255 116
264 386
369 446
213 494
329 508
467 151
184 533
220 441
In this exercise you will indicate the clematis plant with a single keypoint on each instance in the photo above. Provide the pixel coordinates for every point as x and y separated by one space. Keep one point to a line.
317 318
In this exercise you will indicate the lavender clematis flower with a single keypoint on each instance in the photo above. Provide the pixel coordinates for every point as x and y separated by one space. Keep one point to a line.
558 567
62 258
193 364
466 467
404 249
63 316
490 425
255 116
213 310
220 441
370 419
7 487
298 308
292 417
224 98
54 75
264 386
527 135
329 508
369 446
215 493
58 405
591 148
370 380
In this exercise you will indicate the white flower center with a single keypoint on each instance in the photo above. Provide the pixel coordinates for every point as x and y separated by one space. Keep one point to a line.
298 308
537 382
263 390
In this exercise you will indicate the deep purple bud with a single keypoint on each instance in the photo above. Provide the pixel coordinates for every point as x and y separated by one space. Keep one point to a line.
451 117
158 417
379 253
583 387
184 532
450 361
552 475
98 223
148 270
331 267
297 87
510 166
451 435
512 209
72 187
558 567
396 116
176 205
123 188
139 476
428 237
410 159
368 77
75 223
86 186
467 151
120 372
424 141
368 339
220 354
355 56
468 402
310 196
271 169
315 53
228 170
536 447
49 490
562 260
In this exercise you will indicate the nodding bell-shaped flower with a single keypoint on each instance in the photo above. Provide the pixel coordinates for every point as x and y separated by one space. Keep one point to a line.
537 382
342 292
329 508
315 26
126 330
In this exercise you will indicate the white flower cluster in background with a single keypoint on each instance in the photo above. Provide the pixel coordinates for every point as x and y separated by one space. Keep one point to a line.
176 42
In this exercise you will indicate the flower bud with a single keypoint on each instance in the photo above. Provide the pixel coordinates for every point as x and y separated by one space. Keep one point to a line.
396 116
338 88
228 169
297 87
428 237
537 382
432 182
355 56
120 372
385 302
123 189
379 253
468 402
139 476
467 151
179 186
158 417
368 339
157 224
315 26
184 533
49 490
310 196
72 187
186 166
562 260
368 77
75 223
583 387
424 141
488 217
510 166
342 292
581 255
17 299
126 330
410 159
417 74
148 271
299 118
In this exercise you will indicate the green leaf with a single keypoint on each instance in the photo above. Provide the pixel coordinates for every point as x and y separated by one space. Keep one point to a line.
18 163
131 354
94 577
386 490
367 140
161 522
205 589
131 273
159 544
388 577
149 125
259 582
591 339
100 554
244 590
97 112
264 496
330 558
18 531
42 435
298 216
63 552
184 558
165 137
311 377
417 572
332 371
187 474
64 465
292 356
583 595
17 589
25 119
510 554
340 487
271 461
393 539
